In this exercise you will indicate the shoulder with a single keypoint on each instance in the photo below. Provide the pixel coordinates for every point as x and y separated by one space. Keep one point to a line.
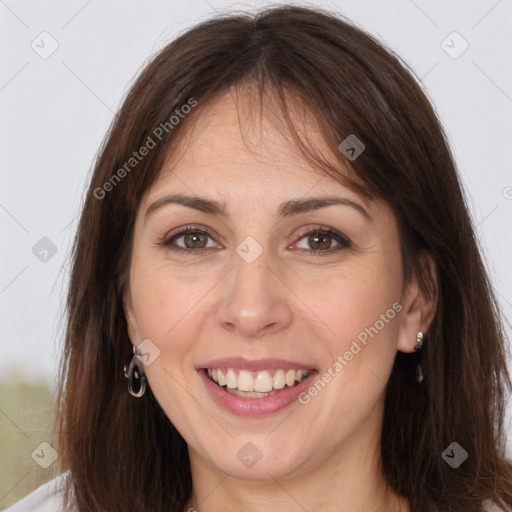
46 498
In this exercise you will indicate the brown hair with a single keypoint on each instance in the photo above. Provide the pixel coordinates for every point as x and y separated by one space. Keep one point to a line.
124 453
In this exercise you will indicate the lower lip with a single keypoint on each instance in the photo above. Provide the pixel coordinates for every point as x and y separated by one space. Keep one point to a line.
254 406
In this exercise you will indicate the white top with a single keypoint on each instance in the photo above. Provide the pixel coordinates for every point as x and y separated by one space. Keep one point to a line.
47 498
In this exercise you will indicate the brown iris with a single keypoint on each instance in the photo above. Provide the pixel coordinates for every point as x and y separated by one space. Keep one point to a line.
319 241
193 238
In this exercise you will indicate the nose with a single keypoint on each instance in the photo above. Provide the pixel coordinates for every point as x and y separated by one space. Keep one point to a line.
256 302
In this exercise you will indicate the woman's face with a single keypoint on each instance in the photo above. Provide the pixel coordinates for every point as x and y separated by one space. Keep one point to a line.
276 288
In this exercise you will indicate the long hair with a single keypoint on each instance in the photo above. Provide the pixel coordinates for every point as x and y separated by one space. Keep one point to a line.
123 453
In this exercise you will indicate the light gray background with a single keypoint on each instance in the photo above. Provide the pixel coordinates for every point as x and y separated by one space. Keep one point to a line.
56 110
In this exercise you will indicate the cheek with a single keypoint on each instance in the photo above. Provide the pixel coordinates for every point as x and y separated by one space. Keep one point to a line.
358 350
162 300
354 299
360 308
166 312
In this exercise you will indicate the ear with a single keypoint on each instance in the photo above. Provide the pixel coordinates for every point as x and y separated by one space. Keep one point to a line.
129 314
419 301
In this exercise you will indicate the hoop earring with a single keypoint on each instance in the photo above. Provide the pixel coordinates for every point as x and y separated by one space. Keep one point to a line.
419 343
136 376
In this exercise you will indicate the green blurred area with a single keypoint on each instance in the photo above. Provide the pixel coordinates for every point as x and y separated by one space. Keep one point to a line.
26 420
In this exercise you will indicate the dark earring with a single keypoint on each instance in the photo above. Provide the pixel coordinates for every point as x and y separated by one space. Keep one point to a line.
136 376
419 343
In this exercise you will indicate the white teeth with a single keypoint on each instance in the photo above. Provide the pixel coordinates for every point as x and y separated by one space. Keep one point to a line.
220 378
279 380
250 394
231 379
264 382
245 381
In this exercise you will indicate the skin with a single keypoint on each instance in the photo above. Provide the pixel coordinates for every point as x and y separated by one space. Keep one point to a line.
303 307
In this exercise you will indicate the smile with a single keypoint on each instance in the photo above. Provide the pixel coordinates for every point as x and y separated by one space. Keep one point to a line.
255 387
256 384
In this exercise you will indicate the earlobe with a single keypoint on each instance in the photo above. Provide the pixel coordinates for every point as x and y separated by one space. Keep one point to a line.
419 303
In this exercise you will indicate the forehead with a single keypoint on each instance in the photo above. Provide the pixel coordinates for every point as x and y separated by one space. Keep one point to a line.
234 139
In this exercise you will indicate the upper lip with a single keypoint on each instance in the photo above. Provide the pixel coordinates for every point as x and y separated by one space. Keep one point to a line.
254 364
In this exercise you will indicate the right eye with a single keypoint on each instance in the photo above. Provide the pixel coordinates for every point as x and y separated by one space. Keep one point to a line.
194 241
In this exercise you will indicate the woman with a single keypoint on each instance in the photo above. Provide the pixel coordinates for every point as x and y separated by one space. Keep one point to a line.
276 258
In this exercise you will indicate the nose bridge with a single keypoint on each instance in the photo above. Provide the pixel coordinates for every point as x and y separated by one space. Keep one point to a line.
254 300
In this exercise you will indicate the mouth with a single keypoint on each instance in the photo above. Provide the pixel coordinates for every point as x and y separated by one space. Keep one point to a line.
255 387
256 384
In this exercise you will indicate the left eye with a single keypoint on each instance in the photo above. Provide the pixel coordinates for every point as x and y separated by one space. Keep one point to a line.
321 241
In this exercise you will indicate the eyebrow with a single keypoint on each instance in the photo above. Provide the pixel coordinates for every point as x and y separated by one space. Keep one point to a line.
286 209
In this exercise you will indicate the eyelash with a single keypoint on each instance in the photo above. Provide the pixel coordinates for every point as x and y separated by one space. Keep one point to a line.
320 230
